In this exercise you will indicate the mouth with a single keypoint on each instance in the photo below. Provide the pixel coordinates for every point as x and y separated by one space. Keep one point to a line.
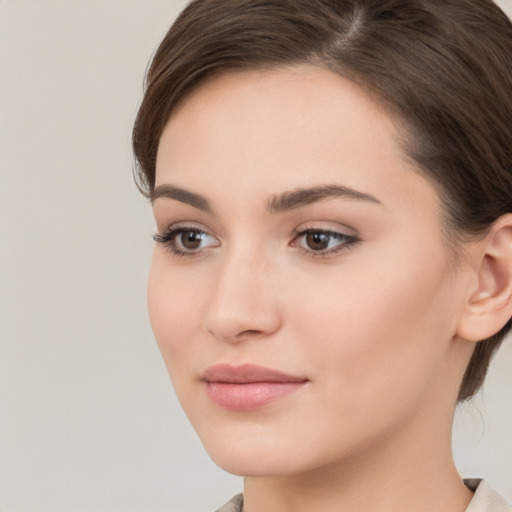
248 387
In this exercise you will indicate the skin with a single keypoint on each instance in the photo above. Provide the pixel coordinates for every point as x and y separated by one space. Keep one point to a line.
373 327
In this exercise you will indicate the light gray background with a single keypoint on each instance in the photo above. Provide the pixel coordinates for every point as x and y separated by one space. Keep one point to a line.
88 418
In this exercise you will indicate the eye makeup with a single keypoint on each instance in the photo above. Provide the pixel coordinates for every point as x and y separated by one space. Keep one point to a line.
313 242
185 241
322 243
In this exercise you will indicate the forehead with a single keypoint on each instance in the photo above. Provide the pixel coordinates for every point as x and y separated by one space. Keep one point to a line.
280 106
286 128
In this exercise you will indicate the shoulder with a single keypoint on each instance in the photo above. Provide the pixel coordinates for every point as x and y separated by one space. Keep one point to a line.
234 505
485 499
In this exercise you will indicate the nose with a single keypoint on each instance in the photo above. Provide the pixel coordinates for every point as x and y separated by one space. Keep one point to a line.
244 303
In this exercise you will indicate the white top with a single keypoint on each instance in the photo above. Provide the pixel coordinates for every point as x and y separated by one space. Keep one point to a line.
484 500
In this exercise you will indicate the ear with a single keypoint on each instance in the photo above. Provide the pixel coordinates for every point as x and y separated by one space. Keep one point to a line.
489 306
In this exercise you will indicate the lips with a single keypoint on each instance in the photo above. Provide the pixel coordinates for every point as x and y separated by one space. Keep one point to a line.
248 387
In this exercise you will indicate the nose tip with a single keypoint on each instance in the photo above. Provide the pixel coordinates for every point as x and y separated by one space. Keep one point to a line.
245 321
243 305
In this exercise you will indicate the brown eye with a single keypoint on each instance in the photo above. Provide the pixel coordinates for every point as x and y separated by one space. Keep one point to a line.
191 240
323 243
317 241
186 241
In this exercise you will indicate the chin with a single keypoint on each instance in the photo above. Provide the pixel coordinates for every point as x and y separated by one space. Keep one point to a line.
238 455
264 452
246 452
252 464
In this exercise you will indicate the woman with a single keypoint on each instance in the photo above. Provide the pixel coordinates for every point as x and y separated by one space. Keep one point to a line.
332 187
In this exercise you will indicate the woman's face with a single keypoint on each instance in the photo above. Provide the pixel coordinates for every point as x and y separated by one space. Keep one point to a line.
293 236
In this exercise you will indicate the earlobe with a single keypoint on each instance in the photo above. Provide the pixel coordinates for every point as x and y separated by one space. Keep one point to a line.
489 307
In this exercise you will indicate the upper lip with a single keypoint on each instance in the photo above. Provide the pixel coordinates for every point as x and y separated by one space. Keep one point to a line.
246 373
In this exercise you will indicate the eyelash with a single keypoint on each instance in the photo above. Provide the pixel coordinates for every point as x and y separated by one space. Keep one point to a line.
169 237
347 242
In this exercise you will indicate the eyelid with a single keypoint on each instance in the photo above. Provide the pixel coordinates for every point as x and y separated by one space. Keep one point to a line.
344 241
167 238
347 241
327 226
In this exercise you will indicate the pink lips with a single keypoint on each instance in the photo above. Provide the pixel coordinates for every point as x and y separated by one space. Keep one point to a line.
248 387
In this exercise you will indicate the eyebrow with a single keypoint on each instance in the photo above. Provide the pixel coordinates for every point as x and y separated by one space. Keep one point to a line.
182 195
306 196
276 204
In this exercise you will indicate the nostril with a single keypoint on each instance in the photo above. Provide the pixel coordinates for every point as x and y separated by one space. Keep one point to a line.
249 332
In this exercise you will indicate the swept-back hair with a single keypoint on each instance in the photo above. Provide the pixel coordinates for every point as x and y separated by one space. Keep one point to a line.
441 68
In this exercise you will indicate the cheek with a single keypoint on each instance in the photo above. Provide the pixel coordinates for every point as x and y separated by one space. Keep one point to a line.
376 332
173 310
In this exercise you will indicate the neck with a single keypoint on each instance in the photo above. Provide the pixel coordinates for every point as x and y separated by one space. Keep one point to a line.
411 471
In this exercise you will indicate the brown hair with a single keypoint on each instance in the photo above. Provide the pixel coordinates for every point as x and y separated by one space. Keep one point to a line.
443 68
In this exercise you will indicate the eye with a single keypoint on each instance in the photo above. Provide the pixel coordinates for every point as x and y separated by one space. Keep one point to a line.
183 241
319 242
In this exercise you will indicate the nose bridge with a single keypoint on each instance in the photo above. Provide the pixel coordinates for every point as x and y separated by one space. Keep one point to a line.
244 301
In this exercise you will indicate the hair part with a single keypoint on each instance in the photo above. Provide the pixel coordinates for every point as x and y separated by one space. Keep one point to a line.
441 68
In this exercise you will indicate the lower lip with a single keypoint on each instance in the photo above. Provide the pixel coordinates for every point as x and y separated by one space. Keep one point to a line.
249 396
